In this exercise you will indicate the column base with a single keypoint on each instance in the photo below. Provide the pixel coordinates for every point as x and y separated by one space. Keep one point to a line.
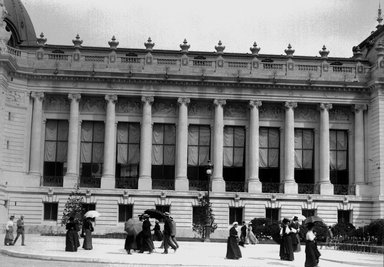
218 185
34 180
325 189
70 180
363 190
290 188
145 183
254 186
181 184
108 182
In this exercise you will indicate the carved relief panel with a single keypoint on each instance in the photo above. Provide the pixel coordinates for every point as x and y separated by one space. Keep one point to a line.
235 110
271 111
164 108
15 98
200 109
126 105
56 103
89 104
305 112
340 113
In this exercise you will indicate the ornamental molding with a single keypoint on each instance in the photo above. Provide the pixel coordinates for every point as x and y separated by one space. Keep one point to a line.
167 108
271 111
183 100
306 113
92 104
235 110
199 108
255 104
130 106
56 103
75 97
147 99
338 113
37 96
219 102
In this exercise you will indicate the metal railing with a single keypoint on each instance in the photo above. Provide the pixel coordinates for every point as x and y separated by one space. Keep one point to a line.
131 60
197 185
306 188
341 189
270 188
165 184
90 182
231 186
127 182
53 181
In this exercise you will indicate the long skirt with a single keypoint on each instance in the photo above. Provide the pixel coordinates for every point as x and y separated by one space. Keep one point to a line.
157 236
312 254
87 240
130 243
233 249
286 251
147 244
8 239
252 238
296 243
72 240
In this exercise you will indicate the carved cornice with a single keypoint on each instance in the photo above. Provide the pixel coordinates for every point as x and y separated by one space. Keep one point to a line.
183 100
37 96
255 104
75 97
290 105
219 102
147 99
325 106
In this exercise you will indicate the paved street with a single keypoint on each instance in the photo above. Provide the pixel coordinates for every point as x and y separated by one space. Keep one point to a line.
110 252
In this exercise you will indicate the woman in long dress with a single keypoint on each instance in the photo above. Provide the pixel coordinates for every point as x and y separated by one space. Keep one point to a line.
8 239
157 235
233 249
296 237
147 242
312 254
286 251
87 234
72 236
251 236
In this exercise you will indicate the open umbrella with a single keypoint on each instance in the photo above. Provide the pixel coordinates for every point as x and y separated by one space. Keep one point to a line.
300 217
155 214
92 214
133 226
313 219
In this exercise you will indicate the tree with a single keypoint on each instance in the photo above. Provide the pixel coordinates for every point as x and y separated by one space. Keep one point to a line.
73 207
204 219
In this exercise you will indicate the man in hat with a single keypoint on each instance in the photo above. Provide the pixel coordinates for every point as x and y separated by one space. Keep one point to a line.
20 230
167 233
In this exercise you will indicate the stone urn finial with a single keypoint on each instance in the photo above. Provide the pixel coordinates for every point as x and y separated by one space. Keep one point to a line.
324 52
220 48
357 54
185 46
41 40
77 42
149 45
113 43
289 51
254 49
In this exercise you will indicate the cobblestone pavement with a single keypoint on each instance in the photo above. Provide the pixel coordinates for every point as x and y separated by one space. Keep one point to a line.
108 252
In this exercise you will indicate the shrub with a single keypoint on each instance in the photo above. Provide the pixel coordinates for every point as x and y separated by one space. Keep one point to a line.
205 219
73 207
320 229
376 229
264 228
343 229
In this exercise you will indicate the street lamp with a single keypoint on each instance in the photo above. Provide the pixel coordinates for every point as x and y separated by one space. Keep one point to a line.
209 172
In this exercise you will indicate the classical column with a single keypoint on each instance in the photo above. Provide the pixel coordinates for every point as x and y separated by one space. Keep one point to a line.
218 183
181 182
108 178
254 184
145 181
325 186
290 186
71 177
360 185
37 119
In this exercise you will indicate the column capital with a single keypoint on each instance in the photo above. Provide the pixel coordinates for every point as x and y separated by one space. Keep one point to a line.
290 105
359 107
255 103
183 100
325 106
148 99
75 97
37 95
111 98
219 102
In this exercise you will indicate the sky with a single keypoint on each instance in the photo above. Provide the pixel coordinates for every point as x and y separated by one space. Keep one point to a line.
305 24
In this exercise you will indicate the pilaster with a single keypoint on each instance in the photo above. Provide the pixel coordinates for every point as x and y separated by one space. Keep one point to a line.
254 184
218 183
290 186
37 120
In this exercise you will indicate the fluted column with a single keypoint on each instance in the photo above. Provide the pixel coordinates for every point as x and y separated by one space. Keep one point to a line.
108 179
37 119
326 188
145 181
254 184
218 183
181 182
290 186
359 160
71 176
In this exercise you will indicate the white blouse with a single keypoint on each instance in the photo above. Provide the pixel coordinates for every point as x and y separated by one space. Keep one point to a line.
310 236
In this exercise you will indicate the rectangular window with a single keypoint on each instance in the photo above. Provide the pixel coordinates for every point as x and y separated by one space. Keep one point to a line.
125 212
50 211
55 151
234 153
163 208
235 215
308 212
338 144
198 213
163 151
128 150
304 144
344 216
269 155
88 206
199 143
272 214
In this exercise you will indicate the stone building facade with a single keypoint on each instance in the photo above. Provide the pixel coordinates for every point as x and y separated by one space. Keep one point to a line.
136 129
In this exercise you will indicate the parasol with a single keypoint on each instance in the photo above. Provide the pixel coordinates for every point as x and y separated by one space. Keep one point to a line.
313 219
300 217
92 214
155 214
133 226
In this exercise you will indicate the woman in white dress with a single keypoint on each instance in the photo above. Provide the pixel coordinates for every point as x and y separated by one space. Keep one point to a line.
251 238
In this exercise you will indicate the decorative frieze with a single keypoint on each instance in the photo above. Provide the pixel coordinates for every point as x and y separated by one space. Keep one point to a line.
338 113
130 106
235 110
92 104
56 103
164 108
202 109
306 113
15 97
271 111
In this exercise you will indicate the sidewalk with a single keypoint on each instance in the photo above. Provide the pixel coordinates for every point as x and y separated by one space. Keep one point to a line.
110 251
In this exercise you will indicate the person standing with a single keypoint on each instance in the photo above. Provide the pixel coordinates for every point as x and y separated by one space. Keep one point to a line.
147 243
233 249
157 235
251 236
296 236
87 234
173 232
8 239
286 251
72 236
167 233
312 254
20 230
243 234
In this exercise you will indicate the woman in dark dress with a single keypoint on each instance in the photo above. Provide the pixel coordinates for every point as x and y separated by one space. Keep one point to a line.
233 249
286 251
295 236
72 236
147 243
157 235
312 254
87 234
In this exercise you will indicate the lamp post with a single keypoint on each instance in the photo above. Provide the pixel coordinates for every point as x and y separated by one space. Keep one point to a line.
209 172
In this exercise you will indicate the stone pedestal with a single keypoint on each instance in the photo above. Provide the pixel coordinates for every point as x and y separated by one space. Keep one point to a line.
70 180
145 183
218 185
363 190
325 189
108 182
254 186
290 188
181 184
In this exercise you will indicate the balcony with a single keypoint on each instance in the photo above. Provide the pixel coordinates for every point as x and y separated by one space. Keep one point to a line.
198 185
343 189
127 182
270 188
53 181
92 182
163 184
306 188
231 186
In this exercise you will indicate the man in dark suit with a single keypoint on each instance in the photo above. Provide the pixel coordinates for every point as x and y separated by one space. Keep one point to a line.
243 234
167 233
20 230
